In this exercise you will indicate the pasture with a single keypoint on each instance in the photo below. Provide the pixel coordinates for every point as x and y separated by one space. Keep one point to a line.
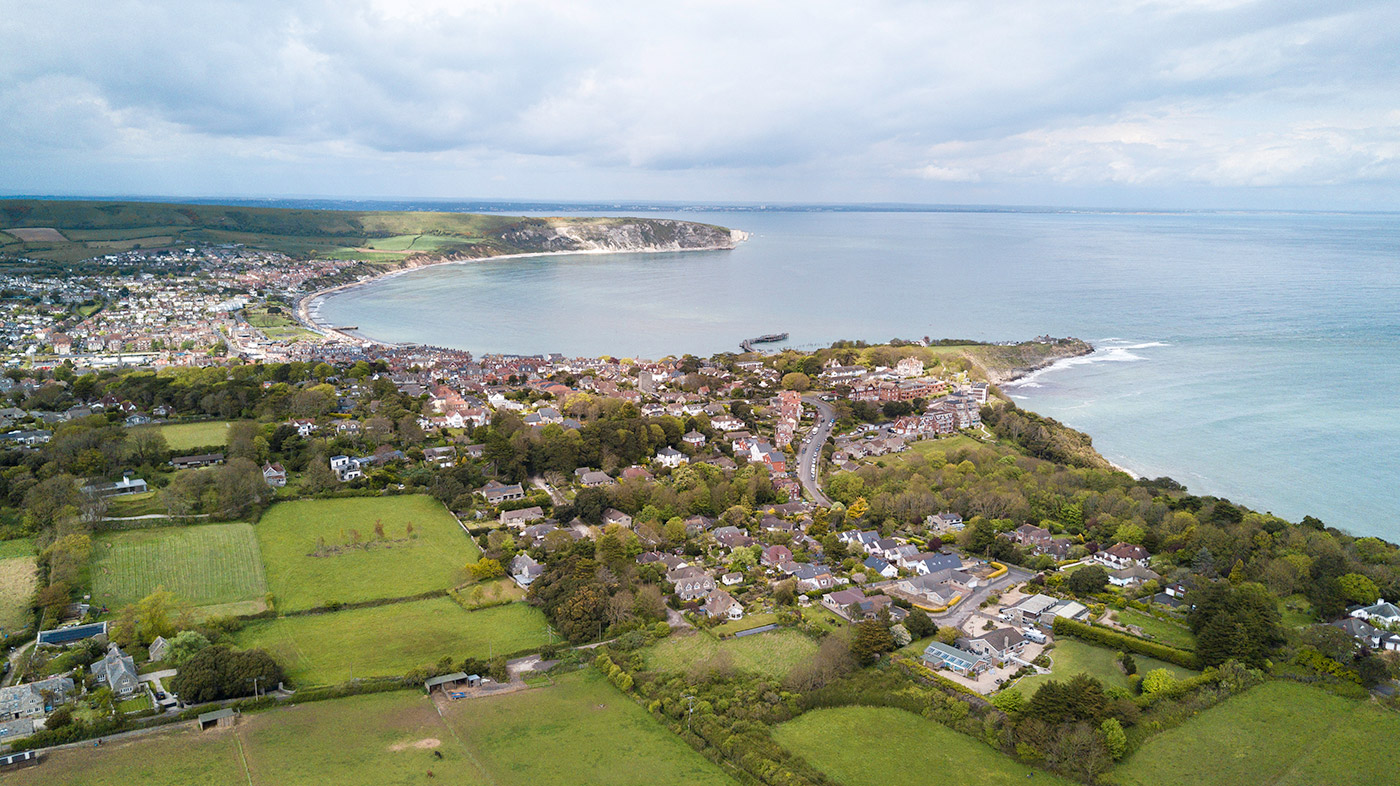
1071 657
1168 632
394 739
189 436
391 640
1280 733
203 565
771 654
326 551
840 741
18 577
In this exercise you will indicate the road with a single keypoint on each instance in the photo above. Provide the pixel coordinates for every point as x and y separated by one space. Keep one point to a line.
960 613
810 453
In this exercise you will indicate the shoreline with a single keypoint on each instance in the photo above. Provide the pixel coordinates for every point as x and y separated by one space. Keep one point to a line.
305 304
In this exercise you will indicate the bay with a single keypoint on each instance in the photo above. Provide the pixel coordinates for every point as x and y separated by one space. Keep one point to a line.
1250 355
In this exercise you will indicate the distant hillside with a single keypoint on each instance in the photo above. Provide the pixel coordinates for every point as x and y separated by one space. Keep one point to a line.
90 229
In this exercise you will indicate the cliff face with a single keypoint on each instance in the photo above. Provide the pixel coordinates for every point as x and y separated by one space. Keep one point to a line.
654 234
1002 364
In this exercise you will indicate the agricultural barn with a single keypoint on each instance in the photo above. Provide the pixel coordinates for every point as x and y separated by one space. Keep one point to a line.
453 681
63 637
218 719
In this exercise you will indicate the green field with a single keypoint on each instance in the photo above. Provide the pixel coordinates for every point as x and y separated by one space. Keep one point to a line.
771 654
19 547
1174 634
391 640
18 577
1280 733
1071 657
882 746
545 737
293 534
203 565
135 505
190 436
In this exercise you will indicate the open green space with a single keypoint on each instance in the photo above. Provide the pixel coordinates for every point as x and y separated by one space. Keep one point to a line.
143 504
883 746
1296 611
1280 733
747 622
18 580
203 565
772 654
137 703
391 640
19 547
1168 632
325 551
580 731
1071 657
189 436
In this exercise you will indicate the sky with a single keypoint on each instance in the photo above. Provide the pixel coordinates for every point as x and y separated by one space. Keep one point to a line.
1170 104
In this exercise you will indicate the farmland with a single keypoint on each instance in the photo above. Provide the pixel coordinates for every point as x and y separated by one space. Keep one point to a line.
203 565
17 582
772 654
321 552
1278 733
391 640
396 738
189 436
839 743
1071 657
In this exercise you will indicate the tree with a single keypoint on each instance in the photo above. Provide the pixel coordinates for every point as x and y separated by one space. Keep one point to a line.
1158 681
1358 588
184 646
901 635
1089 580
1114 738
486 568
1234 622
871 641
797 381
1011 702
920 624
219 672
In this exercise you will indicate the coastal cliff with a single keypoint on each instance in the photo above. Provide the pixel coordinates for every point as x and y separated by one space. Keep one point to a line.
1005 363
604 235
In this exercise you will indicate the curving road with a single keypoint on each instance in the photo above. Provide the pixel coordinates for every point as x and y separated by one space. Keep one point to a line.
810 453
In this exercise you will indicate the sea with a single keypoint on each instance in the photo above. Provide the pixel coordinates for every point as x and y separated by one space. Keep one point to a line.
1249 355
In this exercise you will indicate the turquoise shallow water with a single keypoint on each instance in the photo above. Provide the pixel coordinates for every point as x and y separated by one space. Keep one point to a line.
1255 356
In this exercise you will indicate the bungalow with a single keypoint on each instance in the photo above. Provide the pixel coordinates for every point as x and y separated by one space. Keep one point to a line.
938 655
1000 645
732 579
274 475
1029 610
533 535
1069 609
813 578
720 604
521 517
1133 576
635 472
194 462
732 537
497 492
880 566
932 562
66 637
1368 636
442 456
595 479
1122 555
1380 613
852 604
127 485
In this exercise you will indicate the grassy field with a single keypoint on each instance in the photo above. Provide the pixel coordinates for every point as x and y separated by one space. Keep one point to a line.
292 534
19 547
747 622
916 751
203 565
394 739
1172 633
189 436
1071 657
17 583
135 505
581 731
1280 733
382 641
771 654
279 326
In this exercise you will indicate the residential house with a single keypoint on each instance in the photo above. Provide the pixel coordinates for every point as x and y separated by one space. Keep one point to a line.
1122 555
615 516
776 555
732 537
1028 611
274 475
497 492
34 699
521 517
118 672
670 457
877 565
194 462
442 456
1133 576
595 479
694 438
853 604
813 578
158 649
524 569
938 655
932 562
1379 613
721 605
691 583
732 579
1000 645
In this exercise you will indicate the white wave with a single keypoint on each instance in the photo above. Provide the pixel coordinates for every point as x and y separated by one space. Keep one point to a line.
1104 354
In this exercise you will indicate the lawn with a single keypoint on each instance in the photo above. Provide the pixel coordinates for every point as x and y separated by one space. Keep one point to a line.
1071 657
137 703
772 654
1279 733
546 736
1168 632
824 618
747 622
189 436
391 640
19 547
917 751
312 558
203 565
128 505
17 582
580 731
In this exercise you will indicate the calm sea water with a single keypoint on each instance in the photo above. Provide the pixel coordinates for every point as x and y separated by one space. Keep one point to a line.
1253 356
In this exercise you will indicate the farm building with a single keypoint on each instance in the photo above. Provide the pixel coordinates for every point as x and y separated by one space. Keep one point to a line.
218 719
195 462
13 761
452 682
63 637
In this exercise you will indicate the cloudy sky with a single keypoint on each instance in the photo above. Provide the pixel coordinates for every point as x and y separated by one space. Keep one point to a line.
1177 103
